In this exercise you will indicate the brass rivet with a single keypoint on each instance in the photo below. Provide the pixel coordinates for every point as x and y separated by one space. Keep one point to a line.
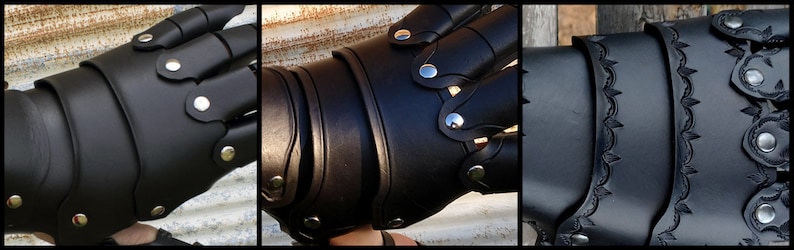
13 202
157 211
227 153
79 220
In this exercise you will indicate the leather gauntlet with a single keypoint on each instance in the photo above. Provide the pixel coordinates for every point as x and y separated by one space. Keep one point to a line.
133 133
677 135
373 134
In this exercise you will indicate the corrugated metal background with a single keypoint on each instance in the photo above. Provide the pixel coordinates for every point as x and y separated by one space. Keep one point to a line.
47 39
44 40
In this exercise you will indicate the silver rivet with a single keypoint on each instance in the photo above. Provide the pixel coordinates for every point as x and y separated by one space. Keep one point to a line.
395 223
753 77
79 220
145 38
766 142
201 103
275 183
765 213
172 65
579 239
402 35
476 173
454 121
312 222
227 153
428 70
15 201
733 22
157 211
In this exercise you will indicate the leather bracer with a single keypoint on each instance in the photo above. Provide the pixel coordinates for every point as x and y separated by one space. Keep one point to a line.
373 135
677 135
132 133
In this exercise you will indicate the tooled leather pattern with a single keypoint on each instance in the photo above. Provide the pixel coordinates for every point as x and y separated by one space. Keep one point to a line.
686 135
607 155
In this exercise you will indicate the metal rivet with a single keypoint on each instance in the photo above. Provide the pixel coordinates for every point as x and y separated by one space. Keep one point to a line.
145 38
172 65
227 153
428 71
579 239
733 22
157 211
454 121
15 201
312 222
395 223
766 142
753 77
275 183
476 173
79 220
765 213
402 35
201 103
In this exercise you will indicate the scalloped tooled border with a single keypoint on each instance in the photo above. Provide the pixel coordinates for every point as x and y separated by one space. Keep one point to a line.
686 135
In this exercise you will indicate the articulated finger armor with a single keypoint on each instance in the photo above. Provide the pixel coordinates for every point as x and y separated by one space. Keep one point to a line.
373 135
107 144
691 134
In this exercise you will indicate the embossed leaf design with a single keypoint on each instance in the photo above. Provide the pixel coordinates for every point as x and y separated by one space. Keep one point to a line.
685 71
612 123
689 135
585 222
679 45
751 111
768 61
736 52
689 102
784 125
612 92
602 191
779 85
610 157
667 236
757 178
688 170
767 32
785 198
682 207
608 63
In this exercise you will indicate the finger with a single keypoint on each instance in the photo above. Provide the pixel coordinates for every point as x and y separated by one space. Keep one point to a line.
185 26
428 23
493 168
209 54
469 53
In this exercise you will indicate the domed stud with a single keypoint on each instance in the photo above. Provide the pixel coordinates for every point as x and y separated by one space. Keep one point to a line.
453 121
311 222
476 173
753 77
402 34
79 220
227 153
201 103
766 142
14 201
395 223
275 183
579 239
764 213
145 38
157 211
173 65
732 22
428 71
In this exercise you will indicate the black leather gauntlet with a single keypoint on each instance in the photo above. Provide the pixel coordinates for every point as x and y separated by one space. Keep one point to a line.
373 135
673 136
133 133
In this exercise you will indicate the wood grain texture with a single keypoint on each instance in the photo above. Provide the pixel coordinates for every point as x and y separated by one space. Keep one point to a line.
539 25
